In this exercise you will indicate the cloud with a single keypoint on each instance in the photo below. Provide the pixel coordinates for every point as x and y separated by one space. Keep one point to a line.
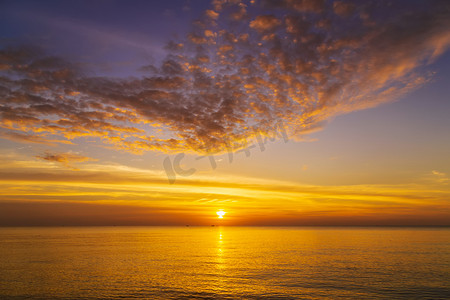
302 6
440 177
302 64
31 138
64 158
343 9
211 14
263 23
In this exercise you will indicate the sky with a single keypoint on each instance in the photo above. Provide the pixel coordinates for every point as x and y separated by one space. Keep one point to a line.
328 113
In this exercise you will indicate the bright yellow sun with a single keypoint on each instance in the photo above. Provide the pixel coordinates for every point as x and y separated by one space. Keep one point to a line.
220 213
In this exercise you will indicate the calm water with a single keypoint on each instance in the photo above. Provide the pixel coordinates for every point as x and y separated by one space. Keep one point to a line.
224 263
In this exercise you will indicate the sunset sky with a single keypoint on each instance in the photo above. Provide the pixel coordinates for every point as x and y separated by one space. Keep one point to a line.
286 112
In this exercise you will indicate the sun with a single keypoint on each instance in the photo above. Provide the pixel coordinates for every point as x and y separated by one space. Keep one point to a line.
220 213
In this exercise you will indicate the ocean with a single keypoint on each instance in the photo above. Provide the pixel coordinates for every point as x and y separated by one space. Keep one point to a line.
224 263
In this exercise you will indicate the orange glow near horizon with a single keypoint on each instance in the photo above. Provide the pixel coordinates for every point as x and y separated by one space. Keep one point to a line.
104 194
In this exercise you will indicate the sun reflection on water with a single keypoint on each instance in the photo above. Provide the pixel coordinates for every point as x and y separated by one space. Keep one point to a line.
220 251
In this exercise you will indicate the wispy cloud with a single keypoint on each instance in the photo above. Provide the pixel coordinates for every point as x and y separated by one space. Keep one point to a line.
440 177
304 63
67 159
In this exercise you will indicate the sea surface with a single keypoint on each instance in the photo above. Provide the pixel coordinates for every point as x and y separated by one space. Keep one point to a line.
224 263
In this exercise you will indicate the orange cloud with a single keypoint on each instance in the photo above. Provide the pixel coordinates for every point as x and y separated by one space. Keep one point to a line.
263 23
64 158
343 8
211 14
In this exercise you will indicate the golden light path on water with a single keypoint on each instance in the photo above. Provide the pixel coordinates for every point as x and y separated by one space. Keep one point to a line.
224 262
